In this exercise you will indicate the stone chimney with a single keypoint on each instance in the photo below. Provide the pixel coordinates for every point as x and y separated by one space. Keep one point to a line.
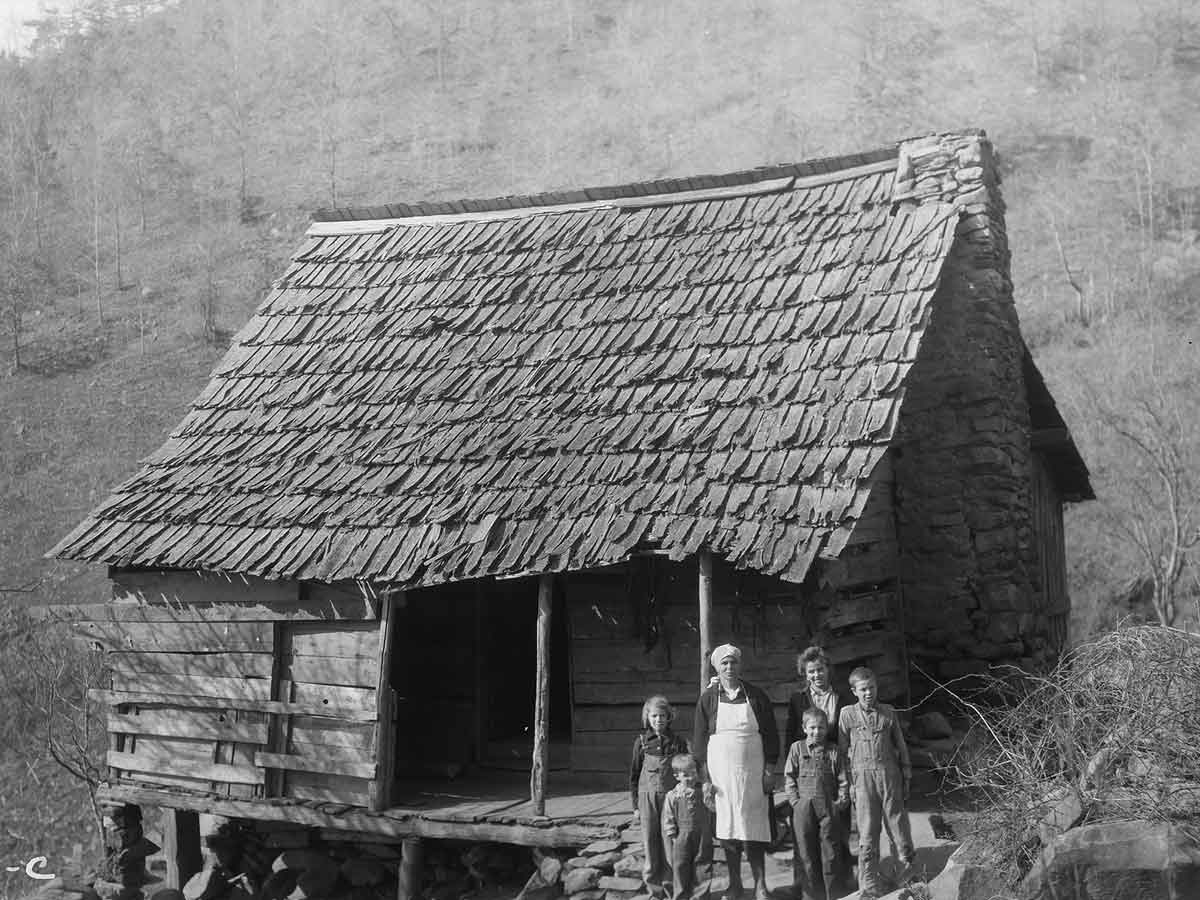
964 466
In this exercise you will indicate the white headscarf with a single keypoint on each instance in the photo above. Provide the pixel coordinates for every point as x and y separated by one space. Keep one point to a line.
725 650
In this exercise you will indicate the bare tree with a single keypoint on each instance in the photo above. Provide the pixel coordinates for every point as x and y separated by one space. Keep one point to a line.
1156 510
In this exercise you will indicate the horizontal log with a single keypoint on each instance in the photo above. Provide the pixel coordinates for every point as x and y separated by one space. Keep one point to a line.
218 665
322 733
336 641
195 637
348 671
143 698
855 610
843 650
170 765
189 724
391 823
599 759
326 763
194 685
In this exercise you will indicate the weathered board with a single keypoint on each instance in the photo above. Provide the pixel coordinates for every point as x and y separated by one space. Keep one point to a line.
194 685
216 665
170 764
189 724
185 637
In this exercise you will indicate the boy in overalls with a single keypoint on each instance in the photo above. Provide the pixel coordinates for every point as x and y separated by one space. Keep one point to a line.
650 779
818 791
687 825
869 736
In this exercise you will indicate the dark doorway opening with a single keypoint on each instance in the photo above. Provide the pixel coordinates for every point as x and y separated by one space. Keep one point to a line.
508 649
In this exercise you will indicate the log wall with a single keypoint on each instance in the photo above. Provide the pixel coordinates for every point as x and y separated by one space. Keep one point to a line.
635 633
242 687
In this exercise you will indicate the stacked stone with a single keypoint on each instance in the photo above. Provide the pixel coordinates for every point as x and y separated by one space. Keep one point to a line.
969 557
607 870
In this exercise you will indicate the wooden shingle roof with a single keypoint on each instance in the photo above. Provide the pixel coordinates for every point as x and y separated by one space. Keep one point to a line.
428 399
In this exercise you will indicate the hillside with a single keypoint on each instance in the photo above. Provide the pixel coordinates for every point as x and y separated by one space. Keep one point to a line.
161 160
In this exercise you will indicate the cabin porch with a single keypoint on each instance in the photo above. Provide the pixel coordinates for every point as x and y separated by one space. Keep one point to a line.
482 806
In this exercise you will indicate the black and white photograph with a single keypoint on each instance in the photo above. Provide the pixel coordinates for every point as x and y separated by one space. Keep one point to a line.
599 450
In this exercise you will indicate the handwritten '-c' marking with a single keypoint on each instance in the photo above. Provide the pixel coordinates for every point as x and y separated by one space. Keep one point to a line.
36 863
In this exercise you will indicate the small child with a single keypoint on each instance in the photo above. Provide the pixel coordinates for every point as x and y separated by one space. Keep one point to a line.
686 822
818 790
650 779
869 735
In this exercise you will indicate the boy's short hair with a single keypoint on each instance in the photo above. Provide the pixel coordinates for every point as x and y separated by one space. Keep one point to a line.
812 714
658 701
862 673
681 762
810 655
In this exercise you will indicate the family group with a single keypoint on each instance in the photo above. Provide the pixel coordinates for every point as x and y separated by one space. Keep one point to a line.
720 787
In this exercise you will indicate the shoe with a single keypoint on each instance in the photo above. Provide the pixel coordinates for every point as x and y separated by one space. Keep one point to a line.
761 893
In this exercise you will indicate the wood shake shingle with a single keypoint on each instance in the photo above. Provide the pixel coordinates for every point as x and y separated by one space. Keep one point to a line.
422 401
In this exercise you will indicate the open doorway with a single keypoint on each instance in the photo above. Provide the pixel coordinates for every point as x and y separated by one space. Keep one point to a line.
508 653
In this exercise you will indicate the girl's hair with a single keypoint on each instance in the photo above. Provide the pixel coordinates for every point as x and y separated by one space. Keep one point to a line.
862 673
811 654
681 762
812 714
658 701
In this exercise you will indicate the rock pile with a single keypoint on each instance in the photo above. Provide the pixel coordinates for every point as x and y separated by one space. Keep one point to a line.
604 870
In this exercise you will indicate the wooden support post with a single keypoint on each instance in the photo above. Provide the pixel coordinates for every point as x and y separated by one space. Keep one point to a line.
380 791
705 598
409 882
181 846
541 705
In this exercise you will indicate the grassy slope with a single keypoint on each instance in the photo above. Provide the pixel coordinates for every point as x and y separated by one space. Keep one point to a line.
537 95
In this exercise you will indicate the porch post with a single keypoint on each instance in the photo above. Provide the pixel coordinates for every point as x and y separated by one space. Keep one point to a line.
380 790
704 593
541 705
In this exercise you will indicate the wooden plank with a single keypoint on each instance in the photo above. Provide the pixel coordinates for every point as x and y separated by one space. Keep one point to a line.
333 696
599 759
216 665
187 724
541 703
193 588
117 698
281 691
329 788
358 671
394 823
855 610
380 790
194 685
138 762
336 641
195 637
321 733
126 608
326 763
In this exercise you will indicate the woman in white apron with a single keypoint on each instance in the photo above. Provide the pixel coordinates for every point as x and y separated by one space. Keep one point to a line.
737 742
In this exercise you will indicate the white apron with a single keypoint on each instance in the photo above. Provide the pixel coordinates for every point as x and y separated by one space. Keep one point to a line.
735 766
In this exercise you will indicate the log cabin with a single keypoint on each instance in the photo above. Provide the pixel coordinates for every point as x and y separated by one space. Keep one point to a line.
478 477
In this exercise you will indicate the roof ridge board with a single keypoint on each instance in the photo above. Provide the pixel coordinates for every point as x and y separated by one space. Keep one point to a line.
624 202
